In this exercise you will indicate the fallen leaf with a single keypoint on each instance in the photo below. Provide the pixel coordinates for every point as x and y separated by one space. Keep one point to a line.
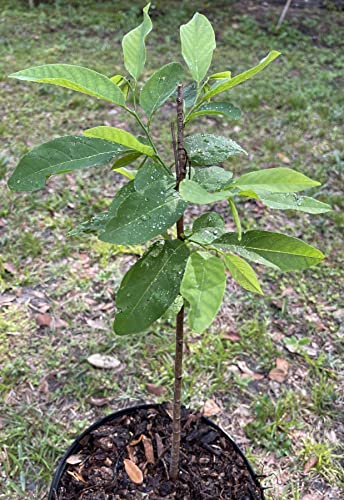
9 267
134 473
311 462
6 300
159 445
74 459
244 368
98 401
210 408
97 325
279 374
232 336
43 319
283 158
76 476
134 442
157 390
60 323
282 364
103 361
148 447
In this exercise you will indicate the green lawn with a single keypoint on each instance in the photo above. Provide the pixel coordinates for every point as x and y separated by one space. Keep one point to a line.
292 116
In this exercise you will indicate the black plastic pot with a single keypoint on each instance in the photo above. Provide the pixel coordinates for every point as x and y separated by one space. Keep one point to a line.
75 446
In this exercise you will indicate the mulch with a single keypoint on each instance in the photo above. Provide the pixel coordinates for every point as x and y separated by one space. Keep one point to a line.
129 458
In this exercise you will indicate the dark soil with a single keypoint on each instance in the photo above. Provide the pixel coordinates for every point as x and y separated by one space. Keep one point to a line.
210 466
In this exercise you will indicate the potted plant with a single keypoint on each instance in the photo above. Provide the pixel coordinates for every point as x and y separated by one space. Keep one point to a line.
166 450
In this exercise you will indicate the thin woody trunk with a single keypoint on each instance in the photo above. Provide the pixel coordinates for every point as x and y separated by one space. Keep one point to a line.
180 160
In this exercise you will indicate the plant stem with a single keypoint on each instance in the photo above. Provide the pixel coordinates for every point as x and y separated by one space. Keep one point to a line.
180 158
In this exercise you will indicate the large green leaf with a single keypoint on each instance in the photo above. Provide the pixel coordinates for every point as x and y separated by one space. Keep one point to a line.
198 44
243 273
119 136
290 201
203 286
275 180
160 86
127 159
217 108
208 149
194 193
76 78
150 287
134 48
242 77
212 178
94 225
121 195
283 252
145 214
207 228
59 156
149 173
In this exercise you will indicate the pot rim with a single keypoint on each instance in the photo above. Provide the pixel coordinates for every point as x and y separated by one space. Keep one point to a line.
75 446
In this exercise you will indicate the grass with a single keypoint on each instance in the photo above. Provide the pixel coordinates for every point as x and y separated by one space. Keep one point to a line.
292 115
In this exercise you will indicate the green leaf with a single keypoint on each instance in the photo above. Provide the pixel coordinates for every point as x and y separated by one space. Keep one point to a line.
76 78
194 193
144 215
235 217
150 287
212 178
198 44
149 173
223 75
121 195
275 180
94 225
119 136
207 228
217 108
242 77
61 155
290 201
125 160
134 48
160 86
190 94
203 286
243 273
283 252
207 149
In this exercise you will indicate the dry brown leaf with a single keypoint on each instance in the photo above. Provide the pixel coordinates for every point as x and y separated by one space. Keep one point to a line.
98 401
232 336
74 459
210 408
134 473
134 442
283 158
43 319
149 452
104 361
244 368
277 375
311 462
282 364
157 390
9 267
159 445
76 476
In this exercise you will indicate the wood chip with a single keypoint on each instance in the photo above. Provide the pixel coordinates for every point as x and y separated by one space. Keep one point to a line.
134 473
283 158
210 408
74 459
310 464
149 451
104 361
76 476
134 442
